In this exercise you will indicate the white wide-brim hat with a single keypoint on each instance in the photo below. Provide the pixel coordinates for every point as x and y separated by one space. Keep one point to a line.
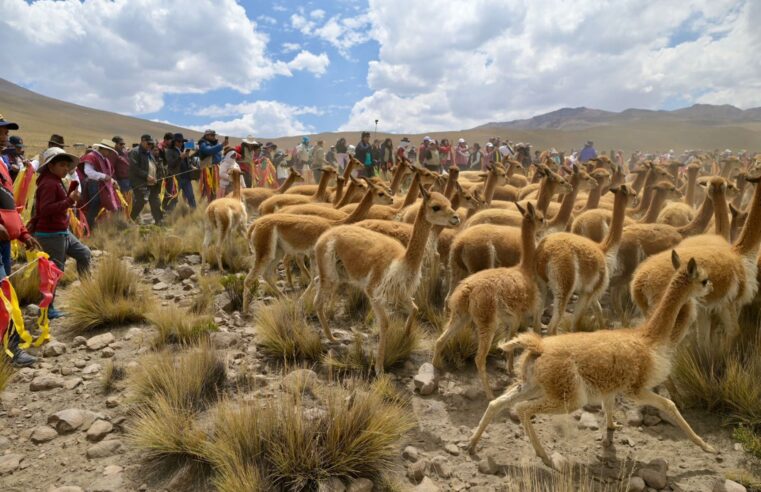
54 152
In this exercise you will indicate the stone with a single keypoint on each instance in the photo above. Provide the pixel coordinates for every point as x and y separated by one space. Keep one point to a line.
588 421
92 369
54 349
46 382
452 449
333 484
67 371
185 272
107 353
651 420
360 485
441 467
112 469
416 471
104 449
98 430
112 402
132 333
80 363
722 485
101 341
425 380
559 462
488 466
78 341
634 417
225 339
654 474
636 484
66 488
67 420
193 259
72 383
109 483
410 453
160 286
427 485
32 310
10 462
299 380
43 433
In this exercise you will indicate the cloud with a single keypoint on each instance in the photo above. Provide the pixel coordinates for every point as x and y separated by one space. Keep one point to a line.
264 119
343 33
289 47
495 60
317 14
126 55
305 60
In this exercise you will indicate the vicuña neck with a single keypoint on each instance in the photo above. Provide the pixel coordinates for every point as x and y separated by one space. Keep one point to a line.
396 180
566 208
319 195
362 209
721 215
236 185
544 197
413 255
659 327
412 192
647 192
692 178
747 243
339 192
613 239
638 182
656 203
740 183
593 199
451 181
287 183
528 244
489 186
700 221
349 168
346 198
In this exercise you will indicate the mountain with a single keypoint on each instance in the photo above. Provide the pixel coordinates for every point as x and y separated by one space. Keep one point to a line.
582 118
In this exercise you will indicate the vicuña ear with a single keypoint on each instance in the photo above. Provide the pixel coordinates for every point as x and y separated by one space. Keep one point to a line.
692 269
425 193
733 210
530 209
520 209
675 259
614 189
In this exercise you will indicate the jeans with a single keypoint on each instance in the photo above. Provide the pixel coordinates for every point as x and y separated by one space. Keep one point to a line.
62 245
124 185
5 257
93 193
144 193
186 186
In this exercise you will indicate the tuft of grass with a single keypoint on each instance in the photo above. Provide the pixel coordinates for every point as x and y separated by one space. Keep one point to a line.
157 247
750 440
112 374
234 285
357 305
399 346
114 228
573 479
746 478
27 284
463 346
235 255
111 296
176 326
284 333
189 380
6 372
209 286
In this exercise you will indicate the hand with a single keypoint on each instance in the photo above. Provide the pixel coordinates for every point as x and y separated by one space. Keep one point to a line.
227 140
107 179
4 234
75 196
32 243
151 180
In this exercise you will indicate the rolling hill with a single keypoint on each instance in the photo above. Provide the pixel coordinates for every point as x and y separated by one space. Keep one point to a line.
699 126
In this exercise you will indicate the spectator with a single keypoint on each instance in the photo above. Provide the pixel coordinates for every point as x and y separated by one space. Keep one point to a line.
185 175
120 164
225 179
475 157
445 154
488 156
280 161
144 175
363 153
264 173
174 154
402 150
11 227
13 156
421 151
342 156
57 141
210 154
50 220
461 154
246 156
387 155
376 153
588 152
330 155
431 159
301 154
317 160
97 175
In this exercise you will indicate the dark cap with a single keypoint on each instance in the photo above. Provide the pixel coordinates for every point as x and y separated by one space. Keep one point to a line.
56 141
16 141
117 139
8 124
365 134
178 137
168 136
269 145
209 132
146 138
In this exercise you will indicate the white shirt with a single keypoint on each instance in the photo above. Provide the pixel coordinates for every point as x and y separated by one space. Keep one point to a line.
91 173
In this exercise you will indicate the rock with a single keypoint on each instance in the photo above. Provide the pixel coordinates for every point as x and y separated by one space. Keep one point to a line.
332 484
109 483
634 417
488 466
588 421
132 333
43 433
54 349
72 383
559 462
107 353
360 485
654 474
67 488
104 449
67 420
416 471
10 462
299 380
472 392
636 484
410 453
651 420
5 443
112 402
80 363
185 272
425 380
160 286
440 466
722 485
452 449
224 339
79 341
427 485
193 259
100 341
92 369
112 469
98 430
32 310
67 371
46 382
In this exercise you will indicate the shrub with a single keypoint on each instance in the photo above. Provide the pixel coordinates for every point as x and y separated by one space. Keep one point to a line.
191 380
112 373
111 296
235 255
234 285
115 227
430 296
6 372
284 333
176 326
463 346
209 286
158 247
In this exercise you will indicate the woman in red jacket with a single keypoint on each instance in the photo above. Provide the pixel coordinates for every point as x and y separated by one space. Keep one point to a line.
50 221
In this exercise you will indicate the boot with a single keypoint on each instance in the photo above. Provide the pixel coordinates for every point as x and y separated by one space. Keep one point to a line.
20 357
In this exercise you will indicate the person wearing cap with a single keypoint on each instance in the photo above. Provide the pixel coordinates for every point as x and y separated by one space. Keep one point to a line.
50 216
5 127
144 174
461 154
488 156
402 150
588 152
98 177
363 153
120 164
301 154
13 156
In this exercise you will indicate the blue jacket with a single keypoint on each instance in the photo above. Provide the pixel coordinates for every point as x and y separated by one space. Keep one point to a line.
206 149
587 153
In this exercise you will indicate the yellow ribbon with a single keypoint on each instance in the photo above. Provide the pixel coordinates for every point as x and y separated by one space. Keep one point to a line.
15 249
13 308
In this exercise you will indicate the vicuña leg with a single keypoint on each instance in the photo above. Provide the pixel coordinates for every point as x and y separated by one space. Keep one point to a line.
731 324
248 288
324 289
412 311
665 405
455 324
207 237
528 409
515 393
609 407
486 330
382 317
561 295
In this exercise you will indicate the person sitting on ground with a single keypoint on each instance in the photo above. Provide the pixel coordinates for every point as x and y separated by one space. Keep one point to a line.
144 178
50 214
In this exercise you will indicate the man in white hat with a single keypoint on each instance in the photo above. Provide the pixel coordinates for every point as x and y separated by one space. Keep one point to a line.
247 152
489 155
50 219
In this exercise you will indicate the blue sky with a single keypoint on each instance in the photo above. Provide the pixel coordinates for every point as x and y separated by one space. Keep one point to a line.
275 68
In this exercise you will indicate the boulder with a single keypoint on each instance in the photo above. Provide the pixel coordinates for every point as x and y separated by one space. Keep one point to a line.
54 349
67 420
185 272
109 483
634 417
72 383
78 341
588 421
104 449
101 341
723 485
10 462
98 430
488 466
636 484
425 380
416 471
655 474
92 369
299 380
410 453
427 485
43 433
46 382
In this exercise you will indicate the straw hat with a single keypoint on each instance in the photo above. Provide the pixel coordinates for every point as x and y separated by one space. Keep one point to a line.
104 144
54 152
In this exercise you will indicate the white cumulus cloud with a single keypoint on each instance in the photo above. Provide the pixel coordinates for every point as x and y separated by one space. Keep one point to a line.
341 32
305 60
264 119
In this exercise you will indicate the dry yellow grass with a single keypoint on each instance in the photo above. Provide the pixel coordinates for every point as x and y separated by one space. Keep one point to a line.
176 326
284 333
112 373
6 372
209 286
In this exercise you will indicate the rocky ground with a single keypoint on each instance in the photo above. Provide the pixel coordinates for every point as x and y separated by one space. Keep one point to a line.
59 431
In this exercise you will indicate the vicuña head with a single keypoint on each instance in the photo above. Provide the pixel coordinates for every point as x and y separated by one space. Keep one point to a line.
438 210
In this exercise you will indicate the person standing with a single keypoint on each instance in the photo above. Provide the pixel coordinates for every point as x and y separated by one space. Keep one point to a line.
176 153
363 153
280 160
475 158
422 149
488 156
317 160
387 155
446 158
342 156
588 152
98 177
246 152
144 178
120 164
431 159
210 154
461 154
402 150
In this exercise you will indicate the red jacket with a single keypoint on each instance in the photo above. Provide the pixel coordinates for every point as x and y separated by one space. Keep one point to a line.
120 166
52 203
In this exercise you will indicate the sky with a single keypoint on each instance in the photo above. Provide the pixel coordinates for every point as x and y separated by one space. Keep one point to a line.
287 68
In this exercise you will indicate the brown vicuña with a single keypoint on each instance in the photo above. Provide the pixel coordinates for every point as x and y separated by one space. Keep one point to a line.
253 197
276 202
223 216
